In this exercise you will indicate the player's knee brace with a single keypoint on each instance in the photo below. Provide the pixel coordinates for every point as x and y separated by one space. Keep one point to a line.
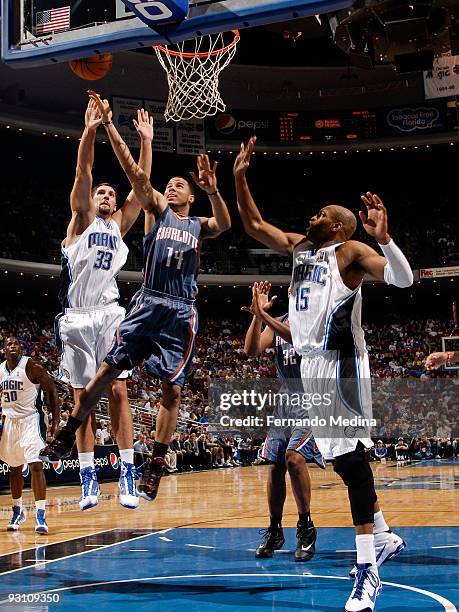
357 475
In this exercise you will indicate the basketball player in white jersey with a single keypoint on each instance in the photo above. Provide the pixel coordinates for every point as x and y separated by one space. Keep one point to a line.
23 428
93 253
324 315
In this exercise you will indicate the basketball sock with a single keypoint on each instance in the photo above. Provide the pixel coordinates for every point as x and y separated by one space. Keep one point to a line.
159 449
304 518
18 502
365 545
127 455
40 504
86 460
73 423
276 522
380 524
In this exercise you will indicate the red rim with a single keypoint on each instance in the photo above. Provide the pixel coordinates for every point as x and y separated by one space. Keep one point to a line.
201 55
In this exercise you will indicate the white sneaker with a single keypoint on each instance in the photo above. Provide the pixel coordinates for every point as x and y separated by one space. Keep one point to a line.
89 488
367 587
129 497
387 546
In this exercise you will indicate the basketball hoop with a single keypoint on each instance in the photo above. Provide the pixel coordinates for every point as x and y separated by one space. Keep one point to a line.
193 68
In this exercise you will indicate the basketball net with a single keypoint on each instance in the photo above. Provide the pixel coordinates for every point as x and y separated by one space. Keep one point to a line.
193 68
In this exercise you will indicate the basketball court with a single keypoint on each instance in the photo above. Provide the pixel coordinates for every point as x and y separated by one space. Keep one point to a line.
194 547
195 552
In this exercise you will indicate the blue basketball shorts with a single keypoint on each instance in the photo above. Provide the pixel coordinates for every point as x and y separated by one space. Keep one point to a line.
300 440
160 330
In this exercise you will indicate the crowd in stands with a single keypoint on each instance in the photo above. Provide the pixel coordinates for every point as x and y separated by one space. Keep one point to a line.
420 449
405 401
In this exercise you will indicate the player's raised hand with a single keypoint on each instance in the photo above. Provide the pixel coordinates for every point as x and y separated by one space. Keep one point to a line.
207 175
144 125
262 302
92 117
103 106
242 161
375 221
435 360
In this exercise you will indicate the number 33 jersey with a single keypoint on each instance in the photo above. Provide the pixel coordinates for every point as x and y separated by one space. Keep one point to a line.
324 314
90 266
171 255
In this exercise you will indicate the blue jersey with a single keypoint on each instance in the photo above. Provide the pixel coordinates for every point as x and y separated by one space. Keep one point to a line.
171 255
287 360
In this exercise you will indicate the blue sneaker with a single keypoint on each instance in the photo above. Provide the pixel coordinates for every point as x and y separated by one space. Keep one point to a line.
129 497
367 587
89 488
17 518
40 522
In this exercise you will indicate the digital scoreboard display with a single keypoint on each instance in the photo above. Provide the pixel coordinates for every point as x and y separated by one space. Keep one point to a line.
296 128
303 128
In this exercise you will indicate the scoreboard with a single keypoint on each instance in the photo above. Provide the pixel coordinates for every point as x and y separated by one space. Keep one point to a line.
303 128
295 128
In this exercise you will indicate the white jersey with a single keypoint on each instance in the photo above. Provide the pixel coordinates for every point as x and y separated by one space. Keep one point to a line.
20 396
324 314
90 266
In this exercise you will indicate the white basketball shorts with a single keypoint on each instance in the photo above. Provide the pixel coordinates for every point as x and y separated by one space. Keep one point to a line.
86 335
21 440
348 383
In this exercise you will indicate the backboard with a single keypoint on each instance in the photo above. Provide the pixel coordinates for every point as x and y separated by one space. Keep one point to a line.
40 32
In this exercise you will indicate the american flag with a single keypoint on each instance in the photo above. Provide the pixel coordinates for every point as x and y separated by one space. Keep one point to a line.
52 20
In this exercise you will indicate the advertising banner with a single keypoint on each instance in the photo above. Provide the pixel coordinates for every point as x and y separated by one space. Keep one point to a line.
439 272
66 471
415 119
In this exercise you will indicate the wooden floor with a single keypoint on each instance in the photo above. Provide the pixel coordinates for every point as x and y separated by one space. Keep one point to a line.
237 498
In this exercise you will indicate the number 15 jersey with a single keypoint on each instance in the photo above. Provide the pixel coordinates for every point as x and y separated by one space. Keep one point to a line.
171 255
90 266
324 314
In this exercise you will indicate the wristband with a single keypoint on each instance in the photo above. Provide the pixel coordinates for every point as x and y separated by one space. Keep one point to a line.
107 122
212 194
449 356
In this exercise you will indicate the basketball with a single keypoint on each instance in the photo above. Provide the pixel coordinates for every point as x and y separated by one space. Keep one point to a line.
92 68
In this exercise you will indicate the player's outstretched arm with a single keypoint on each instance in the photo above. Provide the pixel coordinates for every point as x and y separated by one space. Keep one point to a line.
254 224
127 215
81 203
257 341
393 268
435 360
39 376
153 202
206 179
261 307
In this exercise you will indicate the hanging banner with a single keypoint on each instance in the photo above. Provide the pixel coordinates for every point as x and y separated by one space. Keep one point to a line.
163 139
443 80
124 113
191 138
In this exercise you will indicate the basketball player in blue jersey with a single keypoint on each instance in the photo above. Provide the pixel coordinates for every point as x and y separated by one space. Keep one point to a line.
284 449
161 323
324 317
93 253
23 428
